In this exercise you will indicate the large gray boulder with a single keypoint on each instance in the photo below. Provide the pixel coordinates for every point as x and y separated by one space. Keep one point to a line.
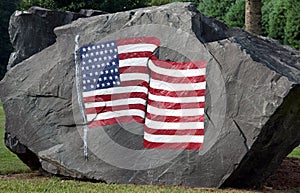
31 31
252 105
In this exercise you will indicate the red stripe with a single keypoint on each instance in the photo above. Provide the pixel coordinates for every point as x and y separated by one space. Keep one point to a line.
187 146
124 119
134 69
104 109
174 131
160 92
199 118
169 105
103 98
139 40
145 54
178 65
172 79
134 83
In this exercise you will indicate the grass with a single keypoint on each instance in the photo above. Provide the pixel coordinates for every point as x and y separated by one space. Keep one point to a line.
10 164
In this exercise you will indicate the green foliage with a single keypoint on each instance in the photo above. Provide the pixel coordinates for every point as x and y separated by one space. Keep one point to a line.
9 162
216 8
235 17
292 25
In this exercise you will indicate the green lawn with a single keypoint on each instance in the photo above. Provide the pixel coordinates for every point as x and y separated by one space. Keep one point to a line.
9 164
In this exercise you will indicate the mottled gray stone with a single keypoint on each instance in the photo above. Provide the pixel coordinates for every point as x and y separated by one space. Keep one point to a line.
31 31
252 104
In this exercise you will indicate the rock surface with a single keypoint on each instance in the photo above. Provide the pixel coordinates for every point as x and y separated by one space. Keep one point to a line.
252 104
31 31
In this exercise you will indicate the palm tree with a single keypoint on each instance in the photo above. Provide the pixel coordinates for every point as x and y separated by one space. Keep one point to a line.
253 16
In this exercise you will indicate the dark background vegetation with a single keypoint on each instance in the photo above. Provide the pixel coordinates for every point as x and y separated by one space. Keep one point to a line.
280 19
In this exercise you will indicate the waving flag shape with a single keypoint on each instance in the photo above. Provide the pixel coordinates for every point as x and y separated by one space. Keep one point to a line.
175 111
122 81
115 80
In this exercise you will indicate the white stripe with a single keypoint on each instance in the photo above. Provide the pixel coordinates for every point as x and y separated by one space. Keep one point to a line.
116 90
136 48
113 103
176 99
173 125
134 76
116 114
133 62
175 112
174 138
157 84
176 72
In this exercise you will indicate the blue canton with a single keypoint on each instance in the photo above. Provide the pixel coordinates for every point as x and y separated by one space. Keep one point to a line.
99 66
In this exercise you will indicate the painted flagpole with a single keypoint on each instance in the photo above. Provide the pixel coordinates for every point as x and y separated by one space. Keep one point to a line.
79 98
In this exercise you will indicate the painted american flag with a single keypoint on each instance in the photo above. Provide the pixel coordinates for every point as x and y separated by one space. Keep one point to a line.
123 82
175 110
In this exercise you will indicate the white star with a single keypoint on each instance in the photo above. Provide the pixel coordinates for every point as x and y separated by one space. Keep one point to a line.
86 55
112 43
102 45
116 69
88 81
111 51
111 71
84 81
100 59
106 71
98 85
107 45
87 68
118 83
101 52
103 64
102 72
84 75
105 58
83 63
84 87
108 83
100 79
90 61
102 84
93 66
107 63
92 86
82 68
98 46
115 56
110 78
114 82
109 57
91 74
96 73
113 63
97 53
94 47
115 49
116 77
98 65
83 56
84 49
105 51
94 79
89 48
92 54
105 78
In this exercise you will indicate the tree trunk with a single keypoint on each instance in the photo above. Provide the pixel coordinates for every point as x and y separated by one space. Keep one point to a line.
253 16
